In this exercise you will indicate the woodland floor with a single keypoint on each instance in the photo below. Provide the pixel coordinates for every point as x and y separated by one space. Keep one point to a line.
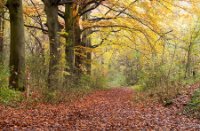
112 110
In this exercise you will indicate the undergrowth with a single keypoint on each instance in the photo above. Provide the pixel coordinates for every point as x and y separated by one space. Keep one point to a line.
193 107
64 95
10 97
163 94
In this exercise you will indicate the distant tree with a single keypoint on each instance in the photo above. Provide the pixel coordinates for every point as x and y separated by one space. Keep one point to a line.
192 41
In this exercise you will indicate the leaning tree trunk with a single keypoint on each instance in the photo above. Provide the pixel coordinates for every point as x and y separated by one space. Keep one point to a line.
17 45
55 75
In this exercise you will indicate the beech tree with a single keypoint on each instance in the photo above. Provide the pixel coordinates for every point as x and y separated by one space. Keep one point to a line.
17 45
70 37
78 57
55 71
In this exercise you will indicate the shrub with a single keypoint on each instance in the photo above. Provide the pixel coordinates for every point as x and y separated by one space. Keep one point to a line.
38 69
193 107
138 88
4 74
98 82
8 96
64 95
95 82
161 82
85 81
164 95
50 96
116 79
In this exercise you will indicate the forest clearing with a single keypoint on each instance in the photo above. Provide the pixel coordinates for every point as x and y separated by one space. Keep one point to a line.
113 65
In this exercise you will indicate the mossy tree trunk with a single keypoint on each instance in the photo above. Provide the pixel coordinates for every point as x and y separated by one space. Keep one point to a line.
87 43
78 46
1 35
78 58
17 45
69 28
73 40
55 75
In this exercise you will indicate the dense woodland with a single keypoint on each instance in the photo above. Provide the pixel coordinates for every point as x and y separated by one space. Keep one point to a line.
100 64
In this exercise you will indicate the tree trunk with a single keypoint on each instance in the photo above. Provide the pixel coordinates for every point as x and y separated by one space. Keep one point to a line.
188 69
73 48
17 45
87 43
77 56
69 49
1 36
78 48
55 75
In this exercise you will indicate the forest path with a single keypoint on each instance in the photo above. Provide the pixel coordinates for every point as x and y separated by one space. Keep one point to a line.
112 110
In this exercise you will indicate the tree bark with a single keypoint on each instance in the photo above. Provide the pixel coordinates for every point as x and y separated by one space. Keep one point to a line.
77 56
188 70
87 43
78 48
17 45
1 36
55 75
69 28
73 47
